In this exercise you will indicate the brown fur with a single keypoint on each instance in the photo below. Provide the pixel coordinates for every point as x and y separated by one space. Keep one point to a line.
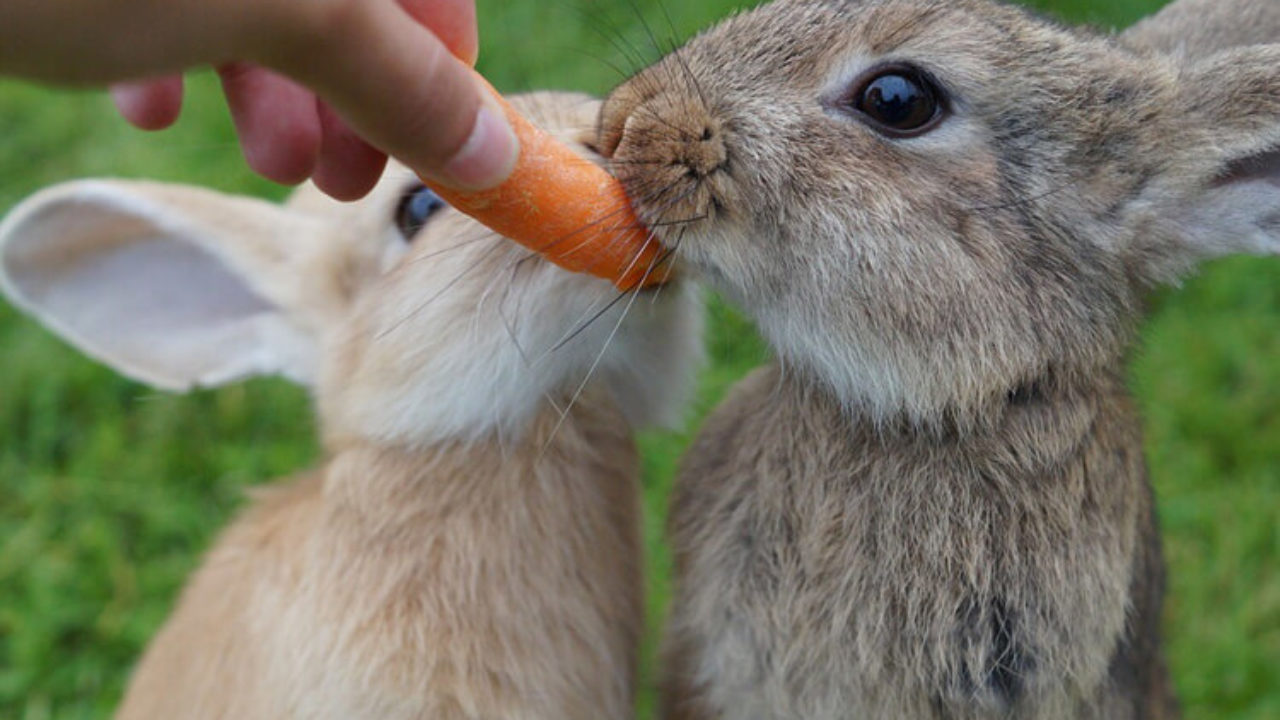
934 506
911 570
1197 28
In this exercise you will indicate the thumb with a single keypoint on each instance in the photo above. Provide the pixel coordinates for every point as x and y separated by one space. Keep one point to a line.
399 87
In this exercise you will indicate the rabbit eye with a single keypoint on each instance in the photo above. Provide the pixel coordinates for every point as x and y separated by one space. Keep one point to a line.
899 102
415 209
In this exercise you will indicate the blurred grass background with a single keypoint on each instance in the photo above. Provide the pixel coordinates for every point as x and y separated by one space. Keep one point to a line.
109 492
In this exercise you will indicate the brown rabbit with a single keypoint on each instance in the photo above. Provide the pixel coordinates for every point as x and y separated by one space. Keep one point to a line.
470 547
943 217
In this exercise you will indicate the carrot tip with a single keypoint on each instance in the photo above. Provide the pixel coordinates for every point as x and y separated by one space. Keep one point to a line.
567 209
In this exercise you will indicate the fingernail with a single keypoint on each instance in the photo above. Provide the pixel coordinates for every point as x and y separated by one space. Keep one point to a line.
489 154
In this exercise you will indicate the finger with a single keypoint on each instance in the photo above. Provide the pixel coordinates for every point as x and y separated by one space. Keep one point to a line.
348 167
399 87
276 121
150 104
453 21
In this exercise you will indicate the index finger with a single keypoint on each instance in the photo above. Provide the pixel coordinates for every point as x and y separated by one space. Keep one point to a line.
399 87
453 21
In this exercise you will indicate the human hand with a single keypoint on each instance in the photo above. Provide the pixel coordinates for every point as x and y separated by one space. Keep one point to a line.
385 73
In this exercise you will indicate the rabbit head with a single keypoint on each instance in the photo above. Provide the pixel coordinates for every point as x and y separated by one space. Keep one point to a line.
413 323
930 207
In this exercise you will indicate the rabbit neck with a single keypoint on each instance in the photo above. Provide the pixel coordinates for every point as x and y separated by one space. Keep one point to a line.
963 413
387 480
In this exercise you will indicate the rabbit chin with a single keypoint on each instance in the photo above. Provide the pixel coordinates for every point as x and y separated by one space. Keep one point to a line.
485 366
880 369
889 381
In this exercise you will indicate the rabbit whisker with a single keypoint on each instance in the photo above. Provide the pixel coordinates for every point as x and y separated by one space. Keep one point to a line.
669 253
689 80
458 246
682 221
654 238
615 37
1018 201
648 29
616 214
588 317
440 293
594 315
582 326
617 69
682 61
595 364
507 323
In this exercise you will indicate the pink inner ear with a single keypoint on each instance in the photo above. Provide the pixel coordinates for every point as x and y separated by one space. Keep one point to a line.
1264 167
150 302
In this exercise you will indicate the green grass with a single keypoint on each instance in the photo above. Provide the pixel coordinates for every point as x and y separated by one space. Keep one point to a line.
109 492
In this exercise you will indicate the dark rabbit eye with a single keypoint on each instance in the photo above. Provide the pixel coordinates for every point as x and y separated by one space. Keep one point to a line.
415 209
899 102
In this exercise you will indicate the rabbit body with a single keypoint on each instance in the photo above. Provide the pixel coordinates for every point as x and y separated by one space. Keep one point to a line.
469 548
444 584
934 506
843 571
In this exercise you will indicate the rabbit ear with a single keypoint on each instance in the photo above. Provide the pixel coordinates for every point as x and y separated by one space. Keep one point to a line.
1226 166
1198 28
176 287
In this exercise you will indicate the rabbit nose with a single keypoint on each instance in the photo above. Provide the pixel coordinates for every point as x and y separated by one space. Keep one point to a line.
705 154
672 154
668 129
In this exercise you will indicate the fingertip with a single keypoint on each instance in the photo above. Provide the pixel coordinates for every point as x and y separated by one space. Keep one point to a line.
276 121
149 104
348 167
487 157
287 156
348 183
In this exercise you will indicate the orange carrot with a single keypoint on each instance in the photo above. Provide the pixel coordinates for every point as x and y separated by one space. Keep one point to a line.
567 209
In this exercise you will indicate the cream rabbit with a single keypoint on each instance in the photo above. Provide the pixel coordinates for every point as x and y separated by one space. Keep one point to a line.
463 551
943 217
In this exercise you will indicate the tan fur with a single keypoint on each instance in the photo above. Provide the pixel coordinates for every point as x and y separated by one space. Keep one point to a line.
449 583
934 505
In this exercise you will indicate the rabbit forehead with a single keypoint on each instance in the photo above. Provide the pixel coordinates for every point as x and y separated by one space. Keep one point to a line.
790 36
985 52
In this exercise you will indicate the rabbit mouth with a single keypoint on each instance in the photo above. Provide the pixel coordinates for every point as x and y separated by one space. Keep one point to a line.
676 205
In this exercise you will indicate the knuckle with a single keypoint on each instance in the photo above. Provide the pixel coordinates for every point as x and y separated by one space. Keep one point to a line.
309 29
333 19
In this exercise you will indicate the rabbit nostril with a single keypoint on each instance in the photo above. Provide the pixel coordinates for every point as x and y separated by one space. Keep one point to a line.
705 156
